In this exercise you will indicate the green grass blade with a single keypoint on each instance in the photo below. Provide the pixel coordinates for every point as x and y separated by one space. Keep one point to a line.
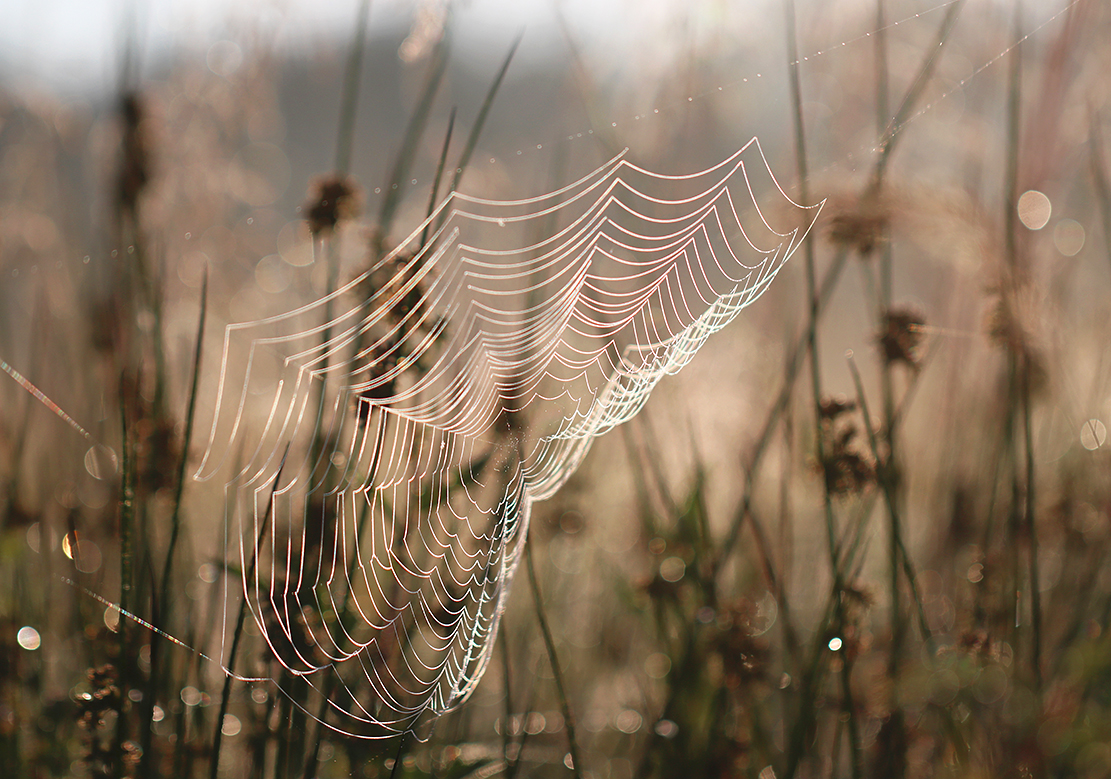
483 112
237 636
395 186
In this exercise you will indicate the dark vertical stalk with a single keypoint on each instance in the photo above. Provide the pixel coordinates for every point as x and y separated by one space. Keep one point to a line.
344 142
397 756
910 99
127 518
829 281
792 366
1023 510
898 553
179 487
507 711
479 122
483 111
345 139
344 616
162 605
1030 517
1099 178
549 645
888 471
1010 181
414 131
816 391
880 40
436 181
225 696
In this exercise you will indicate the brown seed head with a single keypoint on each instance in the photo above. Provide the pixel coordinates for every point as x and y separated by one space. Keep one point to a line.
833 406
901 336
861 229
860 594
1013 322
134 171
332 199
744 655
847 470
385 384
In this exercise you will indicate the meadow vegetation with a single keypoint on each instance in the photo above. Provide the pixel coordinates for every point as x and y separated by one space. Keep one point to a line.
867 533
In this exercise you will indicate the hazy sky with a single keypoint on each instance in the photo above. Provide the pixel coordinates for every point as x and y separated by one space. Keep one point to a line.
74 44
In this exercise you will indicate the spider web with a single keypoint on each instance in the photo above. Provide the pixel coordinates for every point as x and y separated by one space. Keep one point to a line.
416 414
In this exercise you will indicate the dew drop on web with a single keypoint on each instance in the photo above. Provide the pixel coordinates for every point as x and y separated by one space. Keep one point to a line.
101 462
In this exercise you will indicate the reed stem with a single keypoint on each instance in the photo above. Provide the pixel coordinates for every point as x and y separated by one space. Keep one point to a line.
553 659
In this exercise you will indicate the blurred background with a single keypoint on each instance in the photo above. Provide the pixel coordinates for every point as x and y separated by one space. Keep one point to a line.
782 567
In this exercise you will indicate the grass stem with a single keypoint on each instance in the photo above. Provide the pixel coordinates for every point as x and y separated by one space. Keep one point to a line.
435 191
816 392
414 131
483 112
557 671
162 605
240 619
1099 177
345 139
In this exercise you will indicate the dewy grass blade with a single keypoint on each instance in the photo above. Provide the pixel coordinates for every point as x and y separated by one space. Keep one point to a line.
1098 165
576 766
163 605
434 194
179 485
903 561
483 112
414 131
240 619
346 135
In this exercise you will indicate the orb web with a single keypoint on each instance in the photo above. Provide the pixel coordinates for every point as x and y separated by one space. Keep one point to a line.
382 446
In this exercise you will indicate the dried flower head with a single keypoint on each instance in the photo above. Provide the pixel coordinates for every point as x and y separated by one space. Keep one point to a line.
401 283
134 171
857 598
901 336
833 406
332 199
744 654
1013 322
861 229
848 471
383 381
975 642
158 449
